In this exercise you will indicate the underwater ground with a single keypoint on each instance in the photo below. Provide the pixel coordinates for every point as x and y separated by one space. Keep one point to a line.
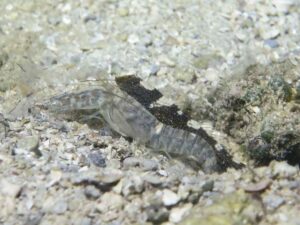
231 66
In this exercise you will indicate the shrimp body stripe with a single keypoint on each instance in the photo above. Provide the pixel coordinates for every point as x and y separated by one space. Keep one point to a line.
76 100
185 143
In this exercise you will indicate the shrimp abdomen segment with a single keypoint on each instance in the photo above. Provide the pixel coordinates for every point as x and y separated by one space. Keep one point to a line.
184 143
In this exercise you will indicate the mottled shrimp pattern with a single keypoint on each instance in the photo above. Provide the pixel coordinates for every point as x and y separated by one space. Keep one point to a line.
129 118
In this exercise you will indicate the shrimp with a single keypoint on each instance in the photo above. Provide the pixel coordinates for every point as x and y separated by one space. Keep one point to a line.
128 117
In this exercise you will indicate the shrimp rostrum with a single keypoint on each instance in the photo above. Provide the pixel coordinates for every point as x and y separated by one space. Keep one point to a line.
128 117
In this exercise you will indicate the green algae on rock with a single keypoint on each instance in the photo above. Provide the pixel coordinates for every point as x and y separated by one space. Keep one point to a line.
236 208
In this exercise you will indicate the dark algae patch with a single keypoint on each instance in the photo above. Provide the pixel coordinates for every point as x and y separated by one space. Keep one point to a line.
260 111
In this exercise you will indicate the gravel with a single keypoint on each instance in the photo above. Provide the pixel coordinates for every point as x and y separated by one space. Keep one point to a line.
54 170
169 198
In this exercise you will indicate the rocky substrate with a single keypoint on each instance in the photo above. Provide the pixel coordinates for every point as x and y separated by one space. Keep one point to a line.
231 65
71 174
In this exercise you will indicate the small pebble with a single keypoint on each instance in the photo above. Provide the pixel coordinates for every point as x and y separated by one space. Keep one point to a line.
34 219
167 61
97 159
102 177
123 12
55 177
273 201
30 143
283 169
153 179
89 18
9 189
170 198
110 201
178 213
132 185
144 164
92 192
208 186
269 33
157 215
154 70
133 39
271 43
60 207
